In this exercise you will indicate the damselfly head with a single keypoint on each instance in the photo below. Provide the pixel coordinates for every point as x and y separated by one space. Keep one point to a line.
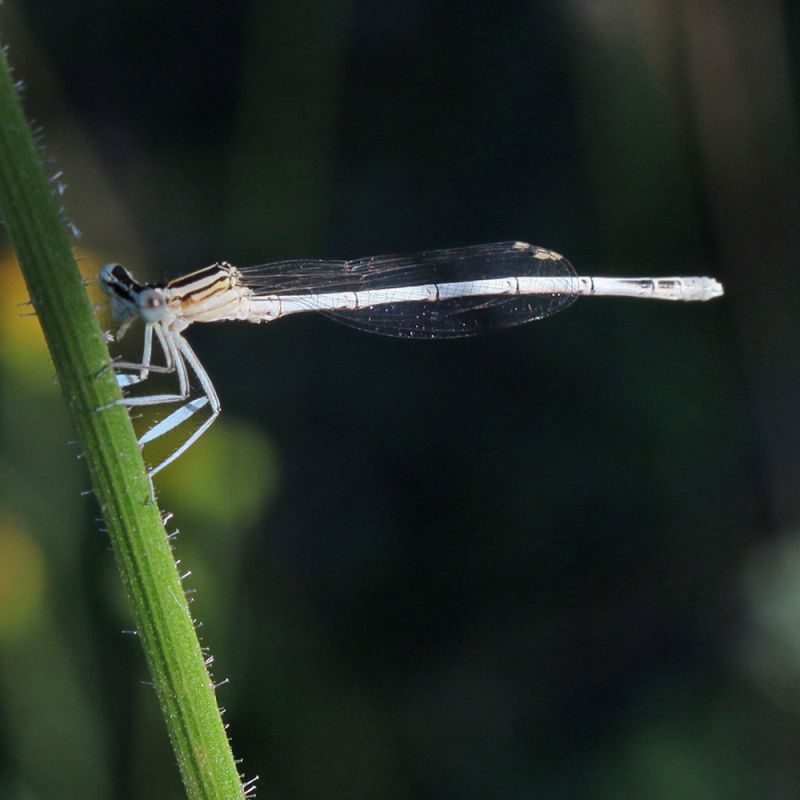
120 286
129 298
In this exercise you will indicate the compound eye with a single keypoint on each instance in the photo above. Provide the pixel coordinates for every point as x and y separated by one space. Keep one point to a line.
115 276
151 305
107 272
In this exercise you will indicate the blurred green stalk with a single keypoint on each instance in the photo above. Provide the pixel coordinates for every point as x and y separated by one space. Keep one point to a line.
139 540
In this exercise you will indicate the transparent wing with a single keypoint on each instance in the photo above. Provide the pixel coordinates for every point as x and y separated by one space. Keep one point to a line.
453 317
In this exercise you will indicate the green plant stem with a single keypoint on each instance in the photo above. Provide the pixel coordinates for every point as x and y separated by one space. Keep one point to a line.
139 540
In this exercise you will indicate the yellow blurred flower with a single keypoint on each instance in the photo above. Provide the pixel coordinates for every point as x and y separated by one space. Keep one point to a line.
22 347
23 350
22 581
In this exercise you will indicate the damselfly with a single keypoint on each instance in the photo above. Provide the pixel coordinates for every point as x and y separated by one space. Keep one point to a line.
437 294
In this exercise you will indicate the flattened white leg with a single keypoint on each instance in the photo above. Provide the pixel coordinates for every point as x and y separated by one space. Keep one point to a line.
176 418
126 379
210 397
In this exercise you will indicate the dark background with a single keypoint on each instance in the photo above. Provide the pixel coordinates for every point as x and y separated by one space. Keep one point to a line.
557 561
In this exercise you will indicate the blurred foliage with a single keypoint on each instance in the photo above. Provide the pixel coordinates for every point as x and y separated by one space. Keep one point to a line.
557 562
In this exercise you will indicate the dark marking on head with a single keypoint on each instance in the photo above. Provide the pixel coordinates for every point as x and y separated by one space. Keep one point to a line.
117 282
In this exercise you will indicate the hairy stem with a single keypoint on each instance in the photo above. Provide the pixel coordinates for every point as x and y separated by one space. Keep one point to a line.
117 471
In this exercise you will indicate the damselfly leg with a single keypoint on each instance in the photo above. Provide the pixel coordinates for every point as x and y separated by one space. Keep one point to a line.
185 355
143 367
129 301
